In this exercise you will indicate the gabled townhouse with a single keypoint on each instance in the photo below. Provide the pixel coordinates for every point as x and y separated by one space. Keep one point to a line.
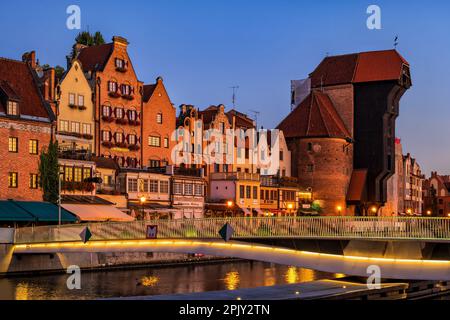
158 125
117 101
25 128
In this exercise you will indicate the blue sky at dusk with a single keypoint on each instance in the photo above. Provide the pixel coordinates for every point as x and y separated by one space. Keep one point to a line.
202 48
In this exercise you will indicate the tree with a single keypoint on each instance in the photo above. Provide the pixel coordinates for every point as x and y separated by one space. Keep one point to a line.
49 173
87 39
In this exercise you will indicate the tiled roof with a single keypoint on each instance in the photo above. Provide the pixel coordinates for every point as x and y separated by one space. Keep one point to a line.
95 57
316 116
18 82
358 67
148 91
208 114
241 119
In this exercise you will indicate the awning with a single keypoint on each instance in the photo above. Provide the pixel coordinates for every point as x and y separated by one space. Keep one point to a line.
10 212
259 212
45 211
246 211
357 187
91 212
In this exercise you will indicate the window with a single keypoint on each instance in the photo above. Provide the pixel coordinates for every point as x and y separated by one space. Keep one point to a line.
68 173
222 127
241 192
155 163
154 186
154 141
310 168
118 137
13 108
33 146
166 142
164 186
86 173
119 113
112 86
75 127
77 174
120 63
71 99
281 155
310 146
132 115
34 181
64 126
177 188
132 185
261 195
12 180
87 128
248 192
106 111
132 139
188 189
198 190
106 135
126 89
159 118
80 100
13 144
255 192
107 180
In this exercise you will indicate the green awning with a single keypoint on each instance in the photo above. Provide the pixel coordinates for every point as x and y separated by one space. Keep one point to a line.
45 211
10 212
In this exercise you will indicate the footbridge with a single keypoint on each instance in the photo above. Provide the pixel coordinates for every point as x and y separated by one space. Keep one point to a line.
403 248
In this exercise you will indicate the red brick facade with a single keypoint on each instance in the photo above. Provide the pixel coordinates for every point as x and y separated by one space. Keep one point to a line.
118 101
159 117
21 162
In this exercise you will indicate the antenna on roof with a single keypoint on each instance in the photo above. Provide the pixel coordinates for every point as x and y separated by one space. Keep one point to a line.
255 116
233 97
396 42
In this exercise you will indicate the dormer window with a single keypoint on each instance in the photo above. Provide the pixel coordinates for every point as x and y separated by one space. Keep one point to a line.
13 108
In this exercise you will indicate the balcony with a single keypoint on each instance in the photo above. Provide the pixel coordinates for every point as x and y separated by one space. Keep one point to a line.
241 176
75 154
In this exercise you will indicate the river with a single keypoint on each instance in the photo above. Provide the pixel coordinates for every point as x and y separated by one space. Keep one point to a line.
157 280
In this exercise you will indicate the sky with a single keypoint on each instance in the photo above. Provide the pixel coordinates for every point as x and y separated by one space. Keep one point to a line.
203 48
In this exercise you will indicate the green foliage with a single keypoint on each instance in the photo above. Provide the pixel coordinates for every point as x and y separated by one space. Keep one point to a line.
49 172
316 207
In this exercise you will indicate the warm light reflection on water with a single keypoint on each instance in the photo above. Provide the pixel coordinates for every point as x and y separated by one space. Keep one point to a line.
232 280
157 281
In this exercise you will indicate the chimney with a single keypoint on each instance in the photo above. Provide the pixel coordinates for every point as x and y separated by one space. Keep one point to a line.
120 41
30 58
50 84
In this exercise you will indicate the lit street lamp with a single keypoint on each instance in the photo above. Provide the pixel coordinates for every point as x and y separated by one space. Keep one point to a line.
142 200
339 209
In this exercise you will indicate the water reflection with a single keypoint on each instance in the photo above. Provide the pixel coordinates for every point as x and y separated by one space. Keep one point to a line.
155 281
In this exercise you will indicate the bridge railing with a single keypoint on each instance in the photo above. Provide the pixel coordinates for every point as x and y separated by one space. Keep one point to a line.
396 228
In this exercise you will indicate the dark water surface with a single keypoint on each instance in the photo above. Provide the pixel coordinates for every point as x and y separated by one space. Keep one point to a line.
156 281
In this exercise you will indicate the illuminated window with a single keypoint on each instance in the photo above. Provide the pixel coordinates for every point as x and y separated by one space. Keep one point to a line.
34 181
119 137
132 185
13 144
87 128
68 173
12 108
12 180
86 173
166 142
132 139
77 174
154 141
33 146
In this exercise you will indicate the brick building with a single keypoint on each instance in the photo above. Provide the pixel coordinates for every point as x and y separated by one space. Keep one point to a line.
362 91
117 101
158 125
436 195
25 129
412 183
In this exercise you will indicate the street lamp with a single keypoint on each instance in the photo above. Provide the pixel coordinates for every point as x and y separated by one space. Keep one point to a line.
290 206
142 200
339 209
229 204
409 211
373 209
428 212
